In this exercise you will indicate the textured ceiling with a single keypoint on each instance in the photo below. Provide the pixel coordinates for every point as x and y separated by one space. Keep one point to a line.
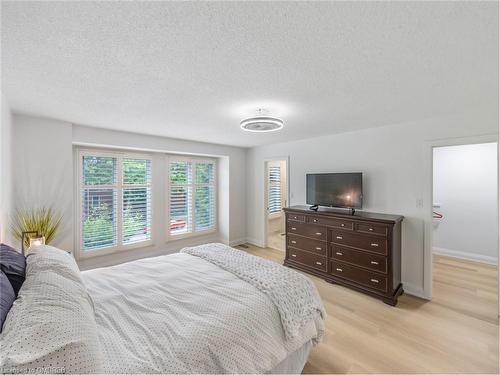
194 70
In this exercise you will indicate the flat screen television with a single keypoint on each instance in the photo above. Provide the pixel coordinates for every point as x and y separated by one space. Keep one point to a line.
344 190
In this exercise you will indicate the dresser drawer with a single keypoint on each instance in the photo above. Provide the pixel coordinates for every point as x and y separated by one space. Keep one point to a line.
334 223
359 258
308 230
304 243
296 217
308 259
359 275
381 230
376 244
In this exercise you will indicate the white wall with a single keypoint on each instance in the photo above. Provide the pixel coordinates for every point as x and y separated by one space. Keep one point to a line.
392 161
44 164
43 170
465 187
5 173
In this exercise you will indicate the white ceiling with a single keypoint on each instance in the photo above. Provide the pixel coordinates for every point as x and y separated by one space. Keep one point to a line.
193 70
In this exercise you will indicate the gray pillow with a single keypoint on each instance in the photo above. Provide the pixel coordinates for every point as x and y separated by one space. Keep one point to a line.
7 297
13 264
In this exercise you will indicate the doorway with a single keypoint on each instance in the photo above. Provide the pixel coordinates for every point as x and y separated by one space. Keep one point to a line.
464 238
276 198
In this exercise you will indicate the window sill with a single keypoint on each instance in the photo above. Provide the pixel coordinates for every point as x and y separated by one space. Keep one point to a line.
86 254
172 238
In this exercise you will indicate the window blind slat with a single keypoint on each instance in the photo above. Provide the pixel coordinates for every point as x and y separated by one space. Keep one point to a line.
99 201
192 196
136 215
274 196
99 212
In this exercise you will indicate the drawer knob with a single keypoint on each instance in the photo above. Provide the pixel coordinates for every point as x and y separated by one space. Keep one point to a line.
293 228
370 229
319 263
373 262
339 237
339 253
374 244
318 248
339 269
342 225
315 220
319 233
295 256
374 281
294 241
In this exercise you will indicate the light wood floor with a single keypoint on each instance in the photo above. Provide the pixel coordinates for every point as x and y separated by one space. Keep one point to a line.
456 332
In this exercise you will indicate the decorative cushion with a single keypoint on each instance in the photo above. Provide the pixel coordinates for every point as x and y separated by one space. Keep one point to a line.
13 264
7 297
52 324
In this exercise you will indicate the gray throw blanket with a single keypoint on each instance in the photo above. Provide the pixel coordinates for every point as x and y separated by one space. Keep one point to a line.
294 295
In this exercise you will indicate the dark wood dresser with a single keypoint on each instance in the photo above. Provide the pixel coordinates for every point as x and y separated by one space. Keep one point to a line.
360 251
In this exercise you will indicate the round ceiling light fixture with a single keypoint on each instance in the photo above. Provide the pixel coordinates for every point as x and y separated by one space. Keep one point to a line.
261 124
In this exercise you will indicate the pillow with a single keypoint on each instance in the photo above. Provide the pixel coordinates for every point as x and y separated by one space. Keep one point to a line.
51 326
13 264
7 297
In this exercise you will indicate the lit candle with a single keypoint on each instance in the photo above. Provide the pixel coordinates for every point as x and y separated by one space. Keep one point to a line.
37 241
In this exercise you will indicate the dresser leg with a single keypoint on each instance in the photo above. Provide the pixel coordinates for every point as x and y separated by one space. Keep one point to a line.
391 302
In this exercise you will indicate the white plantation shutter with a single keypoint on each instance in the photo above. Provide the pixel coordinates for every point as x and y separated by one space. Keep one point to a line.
191 196
181 197
136 208
204 196
274 196
115 201
99 202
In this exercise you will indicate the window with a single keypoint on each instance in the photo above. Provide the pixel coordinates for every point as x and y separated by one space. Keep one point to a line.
192 208
274 190
115 201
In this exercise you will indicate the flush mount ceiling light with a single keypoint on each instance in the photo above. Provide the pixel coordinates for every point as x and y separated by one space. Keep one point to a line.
261 124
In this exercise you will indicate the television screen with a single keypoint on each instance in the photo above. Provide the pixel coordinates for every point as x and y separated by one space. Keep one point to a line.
335 189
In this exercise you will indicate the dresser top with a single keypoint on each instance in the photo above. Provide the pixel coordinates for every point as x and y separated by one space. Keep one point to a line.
345 214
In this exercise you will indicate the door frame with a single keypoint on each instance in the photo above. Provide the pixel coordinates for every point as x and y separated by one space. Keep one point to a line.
428 196
286 159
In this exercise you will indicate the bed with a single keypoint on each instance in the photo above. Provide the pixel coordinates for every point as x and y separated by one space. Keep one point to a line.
209 309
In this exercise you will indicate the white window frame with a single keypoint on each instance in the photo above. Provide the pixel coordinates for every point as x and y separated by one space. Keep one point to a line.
82 253
170 237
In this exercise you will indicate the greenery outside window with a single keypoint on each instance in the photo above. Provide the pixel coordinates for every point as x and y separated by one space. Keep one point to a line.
114 202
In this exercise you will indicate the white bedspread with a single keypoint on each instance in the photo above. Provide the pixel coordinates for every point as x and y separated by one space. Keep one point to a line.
181 314
295 296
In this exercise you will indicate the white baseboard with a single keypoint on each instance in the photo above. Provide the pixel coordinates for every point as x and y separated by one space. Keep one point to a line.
465 255
237 242
414 290
255 242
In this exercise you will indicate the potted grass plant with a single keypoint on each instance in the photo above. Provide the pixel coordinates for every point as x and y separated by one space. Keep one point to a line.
43 220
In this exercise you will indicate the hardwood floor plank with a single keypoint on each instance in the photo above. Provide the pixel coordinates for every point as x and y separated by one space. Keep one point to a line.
456 332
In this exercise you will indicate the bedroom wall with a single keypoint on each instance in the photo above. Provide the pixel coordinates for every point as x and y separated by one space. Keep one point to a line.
5 172
392 161
465 187
42 175
44 163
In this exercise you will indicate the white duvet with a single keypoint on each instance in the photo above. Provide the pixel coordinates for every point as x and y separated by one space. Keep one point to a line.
182 314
